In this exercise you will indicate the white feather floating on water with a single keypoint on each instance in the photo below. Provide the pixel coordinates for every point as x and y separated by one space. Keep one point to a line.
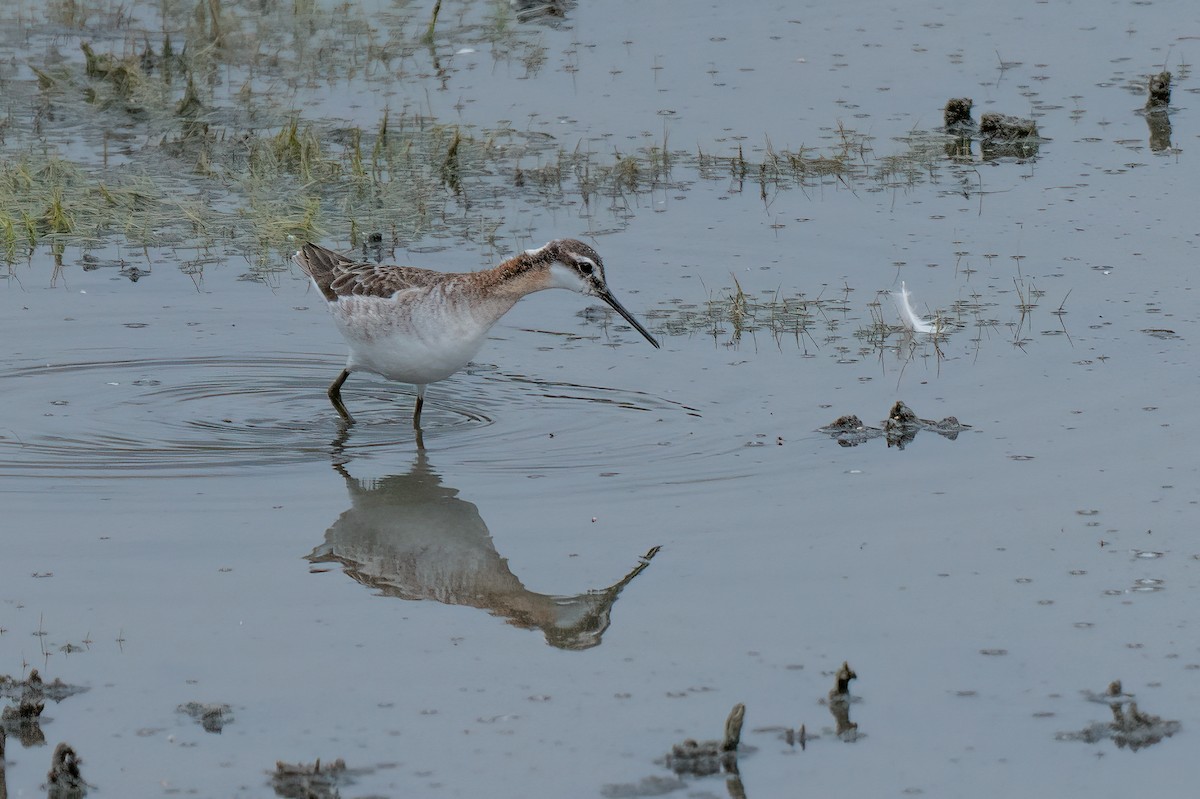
908 317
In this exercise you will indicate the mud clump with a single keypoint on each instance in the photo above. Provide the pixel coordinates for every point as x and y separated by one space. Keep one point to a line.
1159 90
64 780
304 781
24 719
1006 128
31 701
847 424
1130 727
957 114
33 685
1000 135
212 716
839 704
850 431
838 700
710 757
1003 136
841 688
1157 111
900 428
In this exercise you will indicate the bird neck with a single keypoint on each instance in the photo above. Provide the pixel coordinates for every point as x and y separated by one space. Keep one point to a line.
518 276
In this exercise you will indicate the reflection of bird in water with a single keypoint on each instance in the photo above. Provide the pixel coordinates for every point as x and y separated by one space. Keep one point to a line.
1159 122
419 326
412 538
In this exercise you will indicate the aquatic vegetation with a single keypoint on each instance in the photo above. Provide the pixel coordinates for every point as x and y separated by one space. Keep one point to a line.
174 153
735 314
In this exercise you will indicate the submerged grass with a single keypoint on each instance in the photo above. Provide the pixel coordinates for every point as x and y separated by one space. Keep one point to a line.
831 323
729 315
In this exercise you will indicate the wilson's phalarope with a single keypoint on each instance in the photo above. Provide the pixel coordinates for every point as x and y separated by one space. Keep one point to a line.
419 326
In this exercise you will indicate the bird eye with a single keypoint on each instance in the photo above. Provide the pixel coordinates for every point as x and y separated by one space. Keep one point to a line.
585 267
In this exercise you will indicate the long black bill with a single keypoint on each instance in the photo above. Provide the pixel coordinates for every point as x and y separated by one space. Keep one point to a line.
619 308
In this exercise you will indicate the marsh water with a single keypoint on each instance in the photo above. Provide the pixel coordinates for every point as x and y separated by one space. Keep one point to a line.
601 547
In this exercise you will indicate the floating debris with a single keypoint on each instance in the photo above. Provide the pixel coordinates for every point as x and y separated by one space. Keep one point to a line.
1130 727
212 716
303 781
798 737
710 757
900 428
909 318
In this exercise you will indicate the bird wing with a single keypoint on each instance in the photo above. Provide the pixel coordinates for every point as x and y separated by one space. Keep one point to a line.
337 275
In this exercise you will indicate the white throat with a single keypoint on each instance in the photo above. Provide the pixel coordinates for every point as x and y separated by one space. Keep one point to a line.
562 277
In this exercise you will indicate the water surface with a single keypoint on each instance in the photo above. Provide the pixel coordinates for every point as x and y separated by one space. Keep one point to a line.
185 520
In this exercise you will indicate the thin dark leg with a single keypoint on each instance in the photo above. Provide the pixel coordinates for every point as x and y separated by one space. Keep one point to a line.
335 396
417 408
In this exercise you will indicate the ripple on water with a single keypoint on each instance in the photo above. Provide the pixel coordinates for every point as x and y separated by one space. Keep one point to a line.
211 415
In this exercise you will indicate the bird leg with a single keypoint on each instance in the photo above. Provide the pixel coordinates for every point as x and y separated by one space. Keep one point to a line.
417 408
335 396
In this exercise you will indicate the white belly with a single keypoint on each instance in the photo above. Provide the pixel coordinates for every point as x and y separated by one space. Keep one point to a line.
420 343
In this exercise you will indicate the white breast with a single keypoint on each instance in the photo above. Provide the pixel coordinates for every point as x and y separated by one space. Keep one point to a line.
416 342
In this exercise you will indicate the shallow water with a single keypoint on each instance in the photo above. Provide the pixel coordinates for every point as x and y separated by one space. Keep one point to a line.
184 514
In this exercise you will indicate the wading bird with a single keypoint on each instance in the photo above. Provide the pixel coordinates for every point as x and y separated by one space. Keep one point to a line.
419 326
